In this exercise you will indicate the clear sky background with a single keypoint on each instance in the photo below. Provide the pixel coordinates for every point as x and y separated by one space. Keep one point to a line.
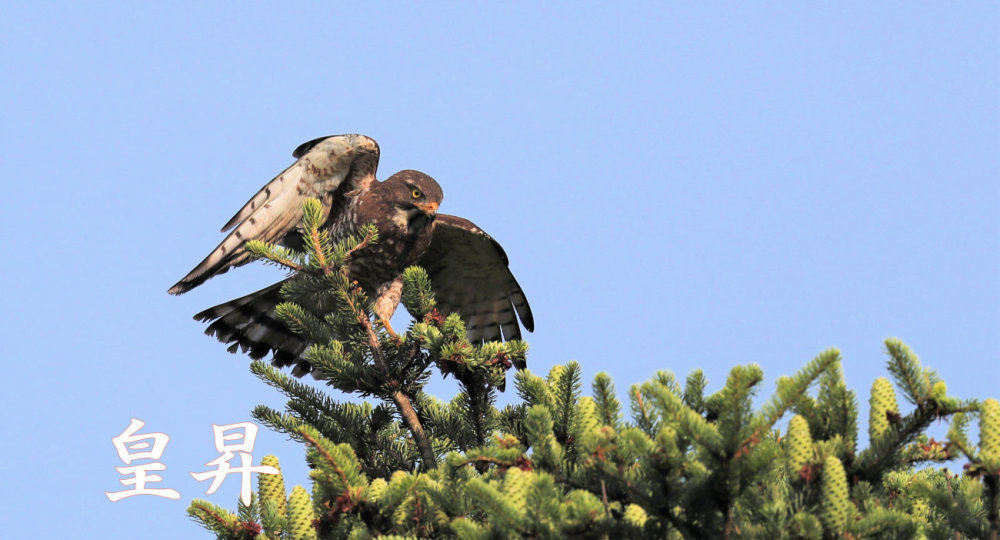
677 185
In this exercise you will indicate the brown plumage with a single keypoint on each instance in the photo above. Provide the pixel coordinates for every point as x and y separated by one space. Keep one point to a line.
468 269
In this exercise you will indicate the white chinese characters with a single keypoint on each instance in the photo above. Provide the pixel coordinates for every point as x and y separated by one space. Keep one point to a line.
231 440
228 451
132 446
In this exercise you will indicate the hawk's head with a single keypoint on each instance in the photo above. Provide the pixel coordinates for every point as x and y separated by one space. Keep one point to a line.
414 196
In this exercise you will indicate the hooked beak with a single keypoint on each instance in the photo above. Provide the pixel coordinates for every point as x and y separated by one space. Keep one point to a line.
430 208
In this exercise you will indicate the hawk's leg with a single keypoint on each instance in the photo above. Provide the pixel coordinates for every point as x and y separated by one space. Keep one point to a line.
387 298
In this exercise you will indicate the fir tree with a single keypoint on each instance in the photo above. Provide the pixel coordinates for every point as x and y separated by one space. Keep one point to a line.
686 464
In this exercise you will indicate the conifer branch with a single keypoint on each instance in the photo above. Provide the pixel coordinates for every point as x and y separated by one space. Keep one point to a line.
640 412
413 424
274 254
694 426
402 402
207 512
317 244
788 394
287 263
476 411
607 403
915 381
370 235
330 460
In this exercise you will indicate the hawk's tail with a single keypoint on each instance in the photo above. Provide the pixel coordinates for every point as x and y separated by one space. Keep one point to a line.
250 324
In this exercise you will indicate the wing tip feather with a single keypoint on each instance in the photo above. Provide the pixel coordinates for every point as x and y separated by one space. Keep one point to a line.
179 288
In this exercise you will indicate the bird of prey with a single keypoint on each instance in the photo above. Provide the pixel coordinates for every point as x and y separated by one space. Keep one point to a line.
468 268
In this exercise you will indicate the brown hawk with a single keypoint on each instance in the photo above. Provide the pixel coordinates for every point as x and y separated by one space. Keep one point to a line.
468 268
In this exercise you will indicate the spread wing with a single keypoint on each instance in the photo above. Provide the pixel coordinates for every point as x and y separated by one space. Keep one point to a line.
469 276
325 167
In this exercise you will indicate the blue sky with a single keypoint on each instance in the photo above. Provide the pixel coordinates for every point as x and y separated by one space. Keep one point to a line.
678 186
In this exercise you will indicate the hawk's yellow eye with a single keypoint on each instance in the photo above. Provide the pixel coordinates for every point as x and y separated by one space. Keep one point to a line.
416 193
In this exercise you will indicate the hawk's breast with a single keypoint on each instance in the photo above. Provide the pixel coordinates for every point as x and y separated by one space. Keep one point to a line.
396 249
